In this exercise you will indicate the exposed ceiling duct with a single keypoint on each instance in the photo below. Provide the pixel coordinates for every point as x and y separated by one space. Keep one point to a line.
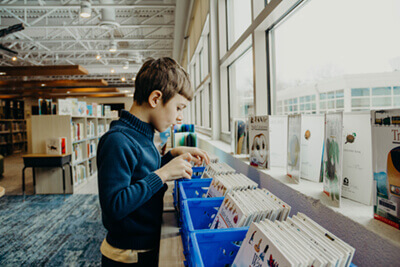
108 20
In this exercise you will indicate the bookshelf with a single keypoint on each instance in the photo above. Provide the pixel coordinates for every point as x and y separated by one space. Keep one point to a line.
82 136
13 136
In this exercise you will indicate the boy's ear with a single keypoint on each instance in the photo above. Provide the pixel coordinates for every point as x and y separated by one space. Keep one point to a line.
155 98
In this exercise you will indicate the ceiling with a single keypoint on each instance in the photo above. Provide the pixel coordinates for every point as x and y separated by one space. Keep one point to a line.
56 34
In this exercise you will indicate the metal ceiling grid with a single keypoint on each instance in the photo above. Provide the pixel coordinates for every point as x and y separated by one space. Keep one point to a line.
56 34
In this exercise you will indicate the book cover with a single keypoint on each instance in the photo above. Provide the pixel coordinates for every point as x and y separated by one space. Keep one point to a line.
238 136
259 249
229 215
94 108
74 104
333 157
259 141
89 110
357 155
64 107
278 139
386 165
100 111
55 146
311 144
82 108
293 147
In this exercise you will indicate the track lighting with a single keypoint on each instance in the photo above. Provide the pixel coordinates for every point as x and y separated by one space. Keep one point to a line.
86 9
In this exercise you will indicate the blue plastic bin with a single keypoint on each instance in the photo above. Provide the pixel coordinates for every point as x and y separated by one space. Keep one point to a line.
210 248
197 172
214 249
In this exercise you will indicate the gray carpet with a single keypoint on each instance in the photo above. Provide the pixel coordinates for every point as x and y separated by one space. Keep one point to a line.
47 231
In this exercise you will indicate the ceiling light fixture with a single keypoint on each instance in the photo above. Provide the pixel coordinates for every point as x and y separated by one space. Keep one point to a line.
14 58
86 9
43 84
113 47
3 73
112 70
68 92
133 78
125 66
98 57
123 79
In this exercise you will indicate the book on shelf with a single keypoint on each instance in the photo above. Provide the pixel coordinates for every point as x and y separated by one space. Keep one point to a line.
298 241
333 157
89 110
77 129
74 106
77 152
79 173
293 148
311 144
45 106
215 168
64 107
181 128
91 167
259 146
91 148
278 127
185 139
386 165
357 152
82 108
241 208
100 112
239 136
94 109
222 184
90 129
107 110
56 146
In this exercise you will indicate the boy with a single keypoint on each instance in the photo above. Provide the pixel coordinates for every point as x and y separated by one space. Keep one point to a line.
131 182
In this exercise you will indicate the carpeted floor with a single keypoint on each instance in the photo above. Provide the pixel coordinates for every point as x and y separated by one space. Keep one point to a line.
47 231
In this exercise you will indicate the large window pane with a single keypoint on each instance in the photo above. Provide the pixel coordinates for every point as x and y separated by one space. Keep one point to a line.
241 85
239 19
329 58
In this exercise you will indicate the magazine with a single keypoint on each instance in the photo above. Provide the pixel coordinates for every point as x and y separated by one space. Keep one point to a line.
239 136
259 141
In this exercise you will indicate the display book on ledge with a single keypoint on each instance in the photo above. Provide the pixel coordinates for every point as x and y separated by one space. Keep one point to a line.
232 204
335 149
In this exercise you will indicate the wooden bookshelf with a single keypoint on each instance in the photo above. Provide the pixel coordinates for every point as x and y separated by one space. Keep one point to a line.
13 136
44 127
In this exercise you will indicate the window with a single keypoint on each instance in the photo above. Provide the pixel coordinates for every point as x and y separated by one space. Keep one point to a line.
238 19
241 86
329 58
201 64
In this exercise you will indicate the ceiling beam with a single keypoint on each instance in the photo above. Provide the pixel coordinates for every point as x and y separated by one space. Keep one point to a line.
21 52
43 70
95 26
60 91
107 40
51 83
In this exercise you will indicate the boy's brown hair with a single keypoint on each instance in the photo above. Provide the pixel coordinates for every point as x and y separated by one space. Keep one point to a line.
163 74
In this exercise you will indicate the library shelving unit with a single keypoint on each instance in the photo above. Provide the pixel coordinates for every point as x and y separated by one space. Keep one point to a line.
82 136
13 136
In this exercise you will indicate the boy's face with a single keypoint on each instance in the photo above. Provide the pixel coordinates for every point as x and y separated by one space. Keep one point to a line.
170 113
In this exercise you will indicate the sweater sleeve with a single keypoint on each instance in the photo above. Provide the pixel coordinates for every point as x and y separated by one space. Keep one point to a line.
116 163
166 158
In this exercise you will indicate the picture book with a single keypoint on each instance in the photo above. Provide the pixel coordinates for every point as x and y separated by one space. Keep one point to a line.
357 154
239 136
278 140
293 147
386 165
259 153
312 140
333 157
64 107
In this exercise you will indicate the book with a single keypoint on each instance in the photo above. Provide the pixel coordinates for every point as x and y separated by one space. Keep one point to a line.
293 148
357 153
64 107
222 184
259 152
56 146
89 110
94 108
239 137
311 144
298 241
82 108
385 164
278 127
185 139
215 168
333 157
74 105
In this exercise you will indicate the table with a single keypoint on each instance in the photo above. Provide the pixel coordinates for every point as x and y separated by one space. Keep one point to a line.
45 161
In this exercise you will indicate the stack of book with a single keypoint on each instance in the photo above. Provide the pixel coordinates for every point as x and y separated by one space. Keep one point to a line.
217 168
298 241
222 184
241 208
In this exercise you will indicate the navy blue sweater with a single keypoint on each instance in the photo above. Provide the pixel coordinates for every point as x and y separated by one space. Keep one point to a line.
131 194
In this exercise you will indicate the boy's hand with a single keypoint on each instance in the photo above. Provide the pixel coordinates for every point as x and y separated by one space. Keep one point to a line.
177 168
197 154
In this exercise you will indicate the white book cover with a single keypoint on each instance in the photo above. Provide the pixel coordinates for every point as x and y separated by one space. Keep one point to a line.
216 189
229 215
293 147
54 146
312 141
74 103
239 137
357 157
278 139
64 107
386 165
82 108
259 141
259 250
333 157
